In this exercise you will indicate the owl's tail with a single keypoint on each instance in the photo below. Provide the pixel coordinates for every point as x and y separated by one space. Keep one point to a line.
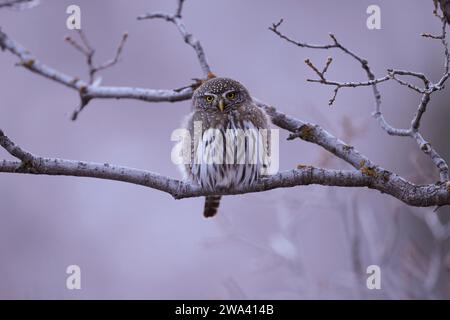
211 205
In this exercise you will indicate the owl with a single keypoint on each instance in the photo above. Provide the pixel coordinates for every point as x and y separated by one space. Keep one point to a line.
445 8
229 143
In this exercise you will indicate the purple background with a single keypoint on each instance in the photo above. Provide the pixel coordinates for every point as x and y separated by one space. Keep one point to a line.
134 242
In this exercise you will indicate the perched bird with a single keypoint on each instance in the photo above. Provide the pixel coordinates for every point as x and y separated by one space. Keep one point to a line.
227 146
445 8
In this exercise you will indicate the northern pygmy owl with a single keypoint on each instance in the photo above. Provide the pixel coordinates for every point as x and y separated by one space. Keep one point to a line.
229 139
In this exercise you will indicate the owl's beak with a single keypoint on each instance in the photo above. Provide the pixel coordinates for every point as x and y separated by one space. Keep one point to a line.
221 105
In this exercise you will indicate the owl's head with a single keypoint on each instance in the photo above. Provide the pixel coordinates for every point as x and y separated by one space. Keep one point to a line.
220 95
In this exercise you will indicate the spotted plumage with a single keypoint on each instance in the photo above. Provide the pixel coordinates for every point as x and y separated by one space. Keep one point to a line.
228 147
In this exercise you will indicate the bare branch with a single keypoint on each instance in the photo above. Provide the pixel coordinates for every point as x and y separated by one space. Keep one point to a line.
12 3
89 91
364 64
339 85
275 26
114 60
426 195
365 173
426 92
189 38
87 50
393 73
179 8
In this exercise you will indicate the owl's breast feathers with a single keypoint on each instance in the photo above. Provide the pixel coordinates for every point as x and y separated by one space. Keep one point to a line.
241 140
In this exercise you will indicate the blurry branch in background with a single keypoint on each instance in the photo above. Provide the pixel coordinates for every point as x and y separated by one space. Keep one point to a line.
18 3
441 233
365 172
426 92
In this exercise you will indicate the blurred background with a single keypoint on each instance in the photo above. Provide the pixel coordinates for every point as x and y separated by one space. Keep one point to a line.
133 242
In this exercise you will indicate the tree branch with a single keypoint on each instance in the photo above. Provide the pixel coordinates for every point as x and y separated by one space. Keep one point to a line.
89 91
13 3
189 38
365 172
427 91
426 195
86 49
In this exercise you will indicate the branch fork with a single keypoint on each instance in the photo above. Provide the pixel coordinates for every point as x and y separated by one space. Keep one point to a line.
364 173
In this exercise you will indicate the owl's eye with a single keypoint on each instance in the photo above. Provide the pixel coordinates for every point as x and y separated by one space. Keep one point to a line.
231 95
209 98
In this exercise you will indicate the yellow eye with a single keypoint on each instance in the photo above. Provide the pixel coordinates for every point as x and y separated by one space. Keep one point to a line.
209 98
231 95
